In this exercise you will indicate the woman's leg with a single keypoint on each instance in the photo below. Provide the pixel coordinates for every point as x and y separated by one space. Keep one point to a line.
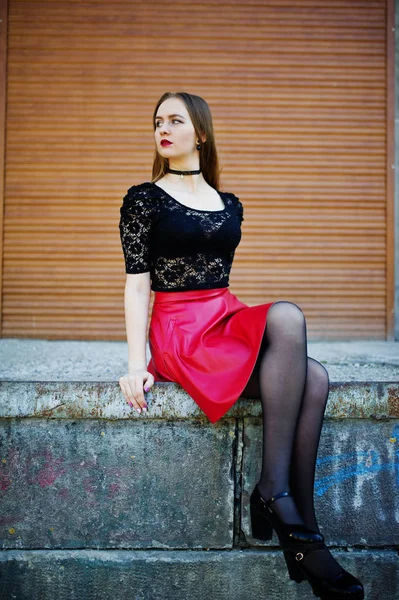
281 373
304 457
307 435
307 438
292 420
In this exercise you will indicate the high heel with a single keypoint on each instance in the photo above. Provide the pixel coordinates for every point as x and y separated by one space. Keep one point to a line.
264 520
297 541
342 586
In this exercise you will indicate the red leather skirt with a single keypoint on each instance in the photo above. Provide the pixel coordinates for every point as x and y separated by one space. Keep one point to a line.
208 341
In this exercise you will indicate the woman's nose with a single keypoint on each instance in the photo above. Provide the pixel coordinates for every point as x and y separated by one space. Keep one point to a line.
164 128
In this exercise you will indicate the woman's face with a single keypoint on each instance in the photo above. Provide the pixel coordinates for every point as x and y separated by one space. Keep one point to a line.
173 125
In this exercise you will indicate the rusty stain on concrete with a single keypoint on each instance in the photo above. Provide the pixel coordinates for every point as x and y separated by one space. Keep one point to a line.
170 402
393 400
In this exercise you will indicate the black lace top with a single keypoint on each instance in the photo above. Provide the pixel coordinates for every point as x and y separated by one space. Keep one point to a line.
183 248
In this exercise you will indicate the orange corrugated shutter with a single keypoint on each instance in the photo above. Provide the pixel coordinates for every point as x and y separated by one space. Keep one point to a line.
298 95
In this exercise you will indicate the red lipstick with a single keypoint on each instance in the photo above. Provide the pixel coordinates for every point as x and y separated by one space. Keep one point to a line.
166 143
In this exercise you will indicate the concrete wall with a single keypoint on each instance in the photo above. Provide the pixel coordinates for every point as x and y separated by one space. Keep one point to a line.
174 575
97 502
396 169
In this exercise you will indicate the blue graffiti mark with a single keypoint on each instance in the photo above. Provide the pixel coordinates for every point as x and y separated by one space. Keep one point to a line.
324 483
358 468
338 457
397 467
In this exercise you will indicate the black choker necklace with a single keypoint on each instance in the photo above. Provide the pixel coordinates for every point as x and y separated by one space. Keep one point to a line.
182 173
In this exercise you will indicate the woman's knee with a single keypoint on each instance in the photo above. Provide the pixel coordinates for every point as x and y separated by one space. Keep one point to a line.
287 316
317 377
286 310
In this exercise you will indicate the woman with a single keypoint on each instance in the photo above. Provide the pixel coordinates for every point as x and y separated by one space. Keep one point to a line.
179 235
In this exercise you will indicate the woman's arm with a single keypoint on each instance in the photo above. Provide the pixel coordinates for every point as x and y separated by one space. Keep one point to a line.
136 300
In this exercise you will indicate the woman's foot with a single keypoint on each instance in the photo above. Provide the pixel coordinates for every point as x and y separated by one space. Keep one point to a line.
322 563
327 578
264 518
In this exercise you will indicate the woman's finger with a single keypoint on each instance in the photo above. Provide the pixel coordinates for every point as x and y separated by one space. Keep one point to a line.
136 385
127 392
148 382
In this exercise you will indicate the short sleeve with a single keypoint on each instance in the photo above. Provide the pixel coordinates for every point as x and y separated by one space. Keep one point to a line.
240 211
240 208
136 219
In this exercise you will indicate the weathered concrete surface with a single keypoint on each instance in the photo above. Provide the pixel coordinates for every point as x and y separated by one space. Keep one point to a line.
102 484
79 379
396 166
369 400
356 353
356 484
87 483
160 575
169 401
70 360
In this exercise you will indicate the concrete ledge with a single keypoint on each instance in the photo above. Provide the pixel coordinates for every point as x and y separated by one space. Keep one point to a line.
81 360
156 575
79 379
169 401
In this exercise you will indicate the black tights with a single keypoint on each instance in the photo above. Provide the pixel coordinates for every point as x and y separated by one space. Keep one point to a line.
293 389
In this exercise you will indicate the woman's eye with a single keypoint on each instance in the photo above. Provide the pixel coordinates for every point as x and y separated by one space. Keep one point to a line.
158 123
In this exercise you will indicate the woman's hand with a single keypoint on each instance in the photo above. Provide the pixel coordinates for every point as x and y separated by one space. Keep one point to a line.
132 388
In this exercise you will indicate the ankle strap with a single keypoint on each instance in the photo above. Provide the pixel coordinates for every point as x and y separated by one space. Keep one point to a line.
277 496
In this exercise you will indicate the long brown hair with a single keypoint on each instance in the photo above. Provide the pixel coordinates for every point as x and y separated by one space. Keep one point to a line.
201 118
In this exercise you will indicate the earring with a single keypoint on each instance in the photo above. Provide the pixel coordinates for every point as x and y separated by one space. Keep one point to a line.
198 146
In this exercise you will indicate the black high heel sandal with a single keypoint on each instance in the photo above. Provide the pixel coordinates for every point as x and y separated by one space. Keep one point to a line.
342 586
264 520
297 541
